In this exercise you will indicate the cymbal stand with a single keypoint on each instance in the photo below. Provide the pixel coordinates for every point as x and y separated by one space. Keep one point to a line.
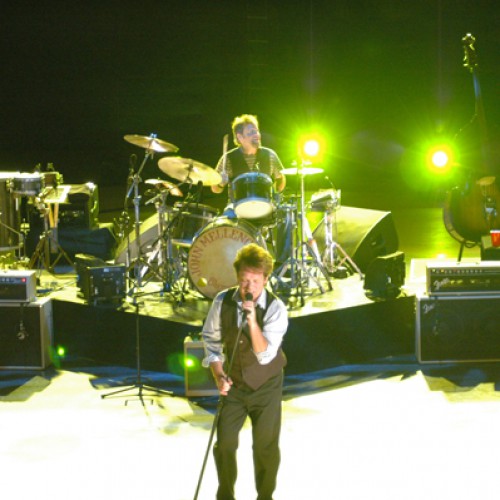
303 269
135 179
138 384
168 266
330 257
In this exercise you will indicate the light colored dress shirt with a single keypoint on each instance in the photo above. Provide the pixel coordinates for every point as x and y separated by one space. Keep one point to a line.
274 328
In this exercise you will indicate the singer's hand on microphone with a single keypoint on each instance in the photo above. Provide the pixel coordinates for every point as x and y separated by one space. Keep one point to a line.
248 307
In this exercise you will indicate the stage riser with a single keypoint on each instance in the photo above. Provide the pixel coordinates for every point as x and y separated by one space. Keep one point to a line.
368 332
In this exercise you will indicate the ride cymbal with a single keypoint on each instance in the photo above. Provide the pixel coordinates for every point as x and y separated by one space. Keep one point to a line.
165 185
187 170
151 143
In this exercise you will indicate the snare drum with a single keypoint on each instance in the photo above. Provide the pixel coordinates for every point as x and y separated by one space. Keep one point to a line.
211 256
194 216
26 184
252 195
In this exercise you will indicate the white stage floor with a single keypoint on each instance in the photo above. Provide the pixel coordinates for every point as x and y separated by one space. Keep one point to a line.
389 437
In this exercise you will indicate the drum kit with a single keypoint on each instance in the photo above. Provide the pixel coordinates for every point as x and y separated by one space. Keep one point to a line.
188 244
21 193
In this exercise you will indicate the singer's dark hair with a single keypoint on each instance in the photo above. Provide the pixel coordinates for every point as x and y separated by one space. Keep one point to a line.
240 122
254 257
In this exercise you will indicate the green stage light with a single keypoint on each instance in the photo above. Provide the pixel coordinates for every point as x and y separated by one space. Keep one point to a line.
61 351
191 362
440 159
311 147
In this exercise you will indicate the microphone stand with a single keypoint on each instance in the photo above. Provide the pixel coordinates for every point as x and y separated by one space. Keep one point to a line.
220 404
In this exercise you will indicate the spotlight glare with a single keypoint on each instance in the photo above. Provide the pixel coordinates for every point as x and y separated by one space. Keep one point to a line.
440 159
311 148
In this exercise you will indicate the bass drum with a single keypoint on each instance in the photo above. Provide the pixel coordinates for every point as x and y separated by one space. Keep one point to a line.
211 256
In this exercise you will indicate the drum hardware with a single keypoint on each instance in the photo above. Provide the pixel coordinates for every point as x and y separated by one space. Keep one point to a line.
189 171
331 259
169 264
327 201
305 263
151 144
48 250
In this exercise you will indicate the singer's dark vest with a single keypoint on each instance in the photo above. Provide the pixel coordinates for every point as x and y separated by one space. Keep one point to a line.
246 369
239 165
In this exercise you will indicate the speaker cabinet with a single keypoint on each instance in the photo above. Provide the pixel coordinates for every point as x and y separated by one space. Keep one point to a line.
364 234
26 334
82 207
458 328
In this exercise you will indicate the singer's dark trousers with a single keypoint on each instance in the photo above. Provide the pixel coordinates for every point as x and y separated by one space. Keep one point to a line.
263 406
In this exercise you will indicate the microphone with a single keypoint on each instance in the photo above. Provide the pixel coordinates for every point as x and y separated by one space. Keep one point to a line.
248 298
329 181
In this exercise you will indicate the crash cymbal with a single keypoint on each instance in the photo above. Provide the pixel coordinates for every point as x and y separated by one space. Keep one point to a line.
302 171
187 170
151 143
161 184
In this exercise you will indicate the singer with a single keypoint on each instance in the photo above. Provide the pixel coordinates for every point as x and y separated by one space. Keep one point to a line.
248 156
243 333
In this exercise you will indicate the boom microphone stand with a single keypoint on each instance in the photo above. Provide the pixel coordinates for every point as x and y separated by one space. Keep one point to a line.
220 404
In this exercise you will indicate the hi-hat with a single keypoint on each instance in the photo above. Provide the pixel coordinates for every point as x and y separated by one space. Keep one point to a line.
165 185
151 143
302 171
187 170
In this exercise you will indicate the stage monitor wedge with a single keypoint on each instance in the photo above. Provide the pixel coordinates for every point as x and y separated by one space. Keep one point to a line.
364 234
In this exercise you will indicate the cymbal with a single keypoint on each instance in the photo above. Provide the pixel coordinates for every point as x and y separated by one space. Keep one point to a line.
187 170
168 186
302 171
151 142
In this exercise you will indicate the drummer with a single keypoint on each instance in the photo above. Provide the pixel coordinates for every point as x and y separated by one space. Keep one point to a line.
248 156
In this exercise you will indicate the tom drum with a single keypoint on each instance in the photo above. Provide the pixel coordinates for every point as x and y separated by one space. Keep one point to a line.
252 195
26 184
188 220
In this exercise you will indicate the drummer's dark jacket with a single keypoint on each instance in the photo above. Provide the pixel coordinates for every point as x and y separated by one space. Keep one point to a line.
239 165
246 369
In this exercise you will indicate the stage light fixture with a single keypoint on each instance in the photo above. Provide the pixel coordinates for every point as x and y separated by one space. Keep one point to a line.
311 147
440 159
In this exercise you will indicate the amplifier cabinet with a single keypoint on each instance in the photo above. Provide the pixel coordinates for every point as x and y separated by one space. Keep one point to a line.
198 381
457 328
26 334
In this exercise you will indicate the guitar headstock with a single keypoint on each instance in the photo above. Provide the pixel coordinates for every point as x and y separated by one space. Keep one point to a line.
470 55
